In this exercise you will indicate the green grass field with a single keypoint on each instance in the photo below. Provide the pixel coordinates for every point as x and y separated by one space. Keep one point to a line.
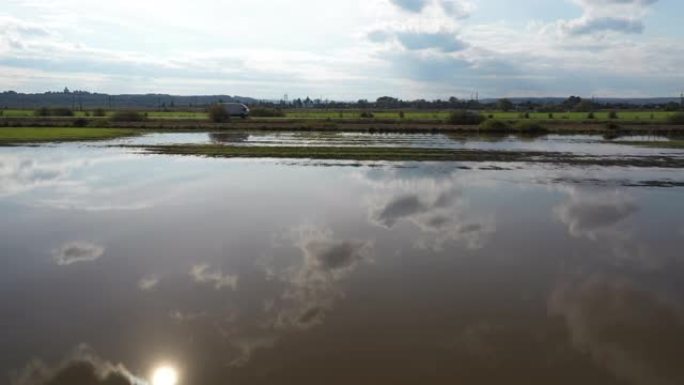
626 116
601 116
10 135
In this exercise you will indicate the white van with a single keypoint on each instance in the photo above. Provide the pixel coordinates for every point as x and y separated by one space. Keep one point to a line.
236 109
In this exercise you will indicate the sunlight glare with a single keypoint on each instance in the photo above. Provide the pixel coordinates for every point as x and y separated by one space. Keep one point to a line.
164 375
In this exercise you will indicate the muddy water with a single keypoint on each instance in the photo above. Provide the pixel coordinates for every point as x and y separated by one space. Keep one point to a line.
264 271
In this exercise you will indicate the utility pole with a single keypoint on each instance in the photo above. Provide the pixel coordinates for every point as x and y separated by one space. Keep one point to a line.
681 101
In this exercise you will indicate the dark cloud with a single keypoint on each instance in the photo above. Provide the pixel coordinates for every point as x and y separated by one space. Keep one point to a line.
625 329
602 24
617 2
442 41
623 16
379 36
81 368
411 5
454 8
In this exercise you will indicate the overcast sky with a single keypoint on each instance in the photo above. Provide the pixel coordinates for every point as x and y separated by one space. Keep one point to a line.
345 49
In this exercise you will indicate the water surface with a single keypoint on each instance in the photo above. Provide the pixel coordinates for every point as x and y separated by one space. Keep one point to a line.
265 271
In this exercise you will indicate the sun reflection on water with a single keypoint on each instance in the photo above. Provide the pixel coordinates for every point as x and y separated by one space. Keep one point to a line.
165 375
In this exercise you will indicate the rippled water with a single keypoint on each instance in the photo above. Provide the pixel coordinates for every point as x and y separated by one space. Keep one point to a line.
264 271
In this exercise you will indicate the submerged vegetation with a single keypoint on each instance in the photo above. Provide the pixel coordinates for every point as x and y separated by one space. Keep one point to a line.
409 154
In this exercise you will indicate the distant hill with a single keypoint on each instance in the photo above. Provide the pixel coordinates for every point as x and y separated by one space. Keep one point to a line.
87 100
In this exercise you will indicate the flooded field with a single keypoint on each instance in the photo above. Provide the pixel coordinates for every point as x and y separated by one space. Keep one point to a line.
580 144
263 271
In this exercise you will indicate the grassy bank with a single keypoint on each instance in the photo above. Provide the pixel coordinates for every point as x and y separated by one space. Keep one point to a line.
12 135
410 154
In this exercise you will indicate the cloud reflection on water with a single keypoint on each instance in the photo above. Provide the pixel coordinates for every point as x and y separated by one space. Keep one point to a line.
434 203
590 213
76 252
626 329
311 285
82 367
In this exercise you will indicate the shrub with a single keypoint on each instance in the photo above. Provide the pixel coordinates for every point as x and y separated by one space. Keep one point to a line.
267 112
530 128
218 114
99 112
59 111
2 112
677 118
81 122
526 115
550 115
612 115
464 117
495 126
42 111
591 115
401 115
367 115
127 116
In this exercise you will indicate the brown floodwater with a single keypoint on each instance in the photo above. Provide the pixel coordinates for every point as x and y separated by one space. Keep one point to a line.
115 264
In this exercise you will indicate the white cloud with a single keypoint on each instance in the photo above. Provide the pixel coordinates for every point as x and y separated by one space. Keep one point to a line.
76 252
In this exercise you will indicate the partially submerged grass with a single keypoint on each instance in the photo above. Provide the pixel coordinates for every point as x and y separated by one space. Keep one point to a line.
675 144
12 135
411 154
